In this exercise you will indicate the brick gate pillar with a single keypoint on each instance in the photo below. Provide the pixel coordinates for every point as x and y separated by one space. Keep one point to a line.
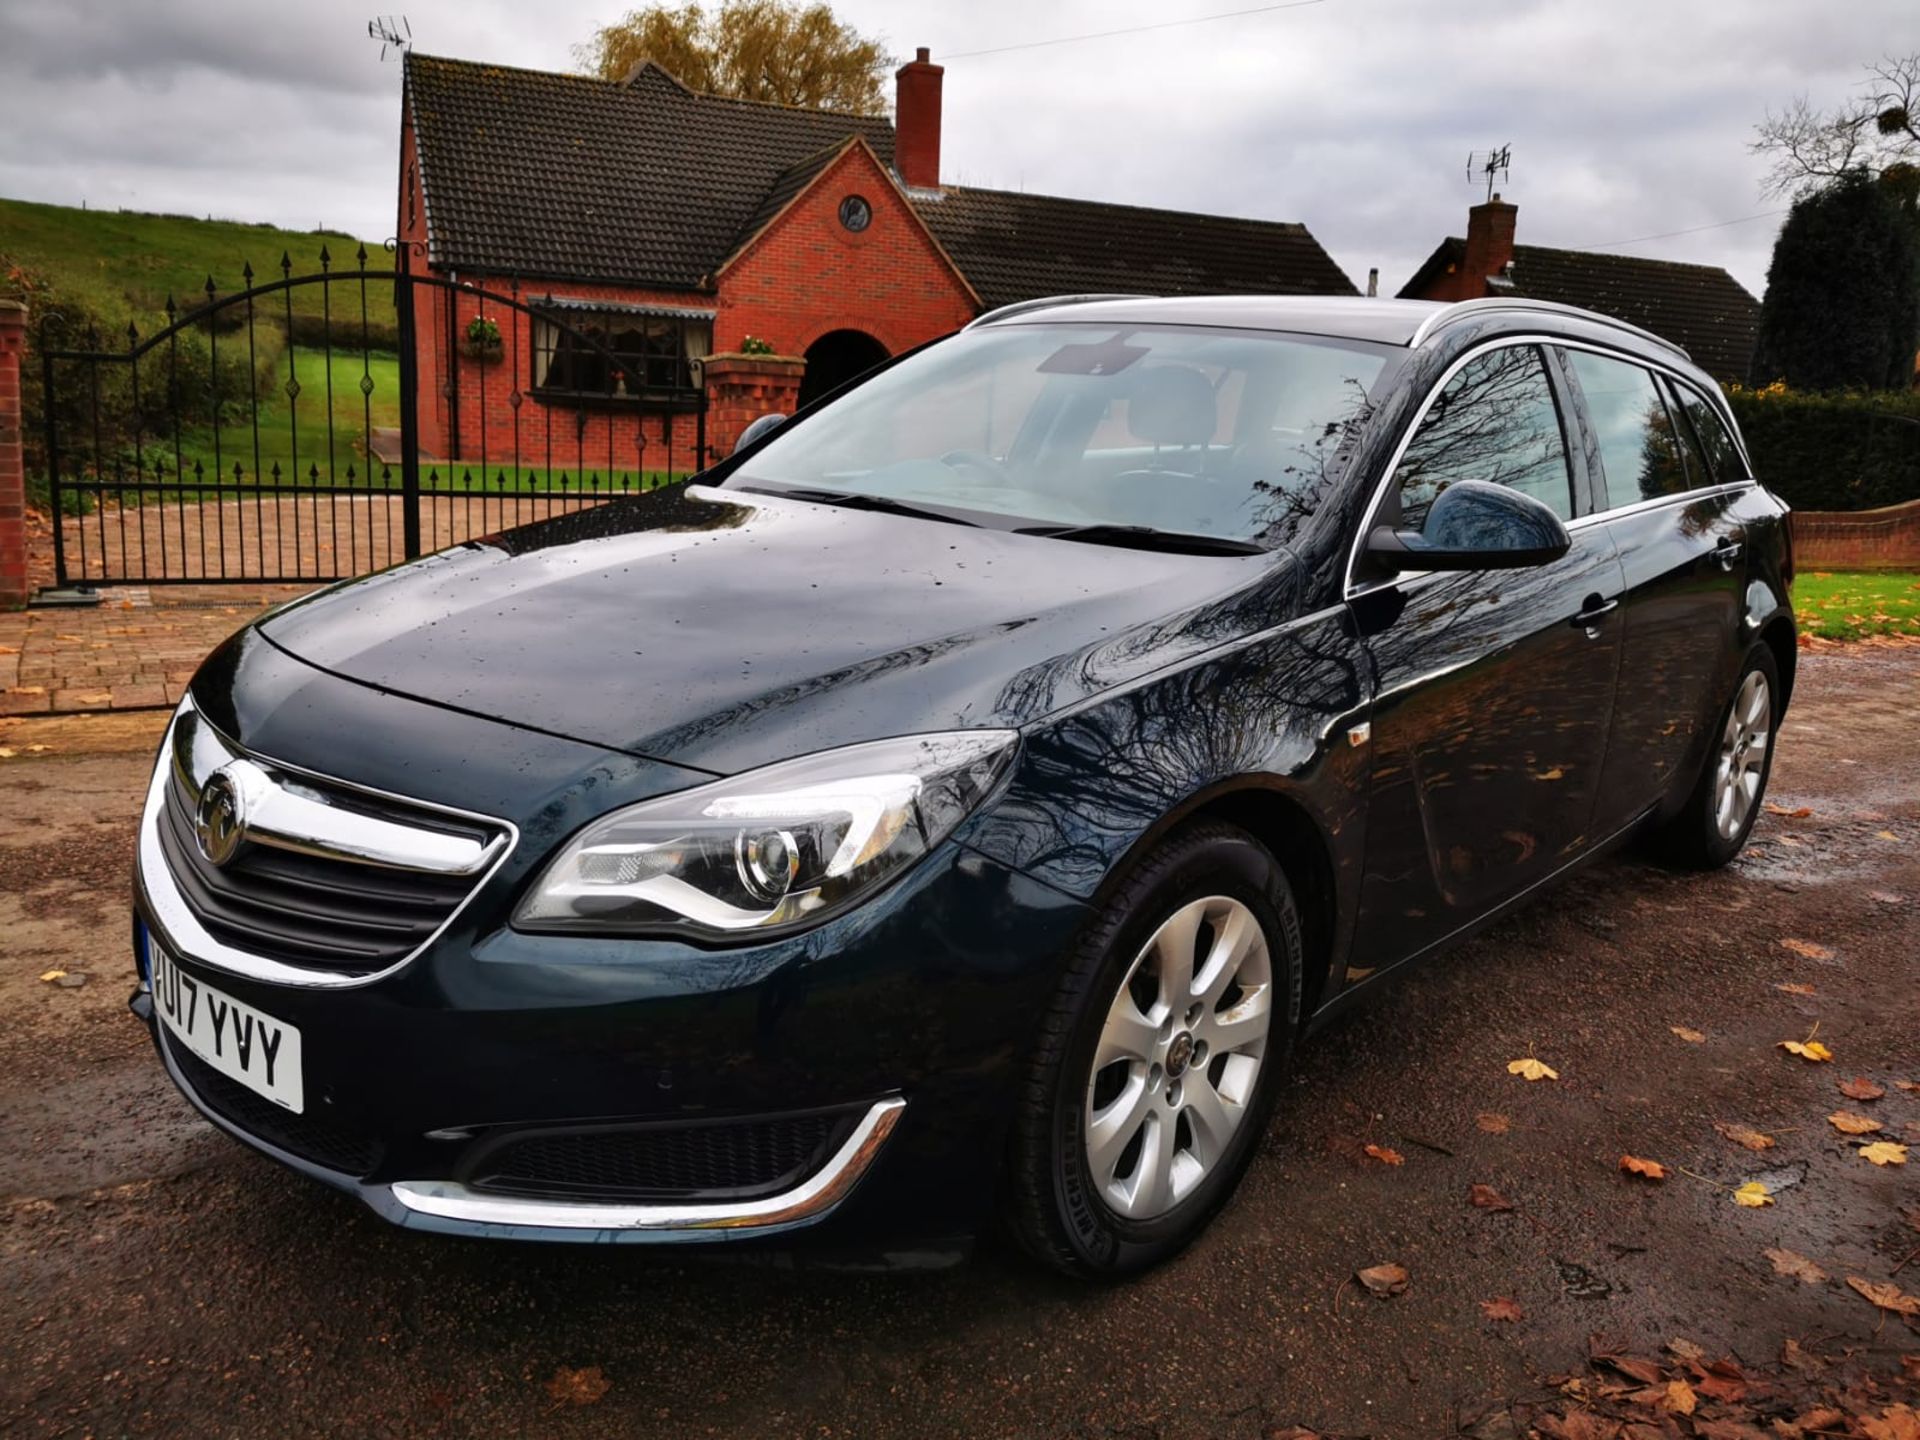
13 474
742 388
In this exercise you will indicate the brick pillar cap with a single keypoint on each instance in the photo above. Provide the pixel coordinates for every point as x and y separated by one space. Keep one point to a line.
13 312
732 361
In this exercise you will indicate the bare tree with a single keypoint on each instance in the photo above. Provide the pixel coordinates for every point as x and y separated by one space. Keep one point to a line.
1878 132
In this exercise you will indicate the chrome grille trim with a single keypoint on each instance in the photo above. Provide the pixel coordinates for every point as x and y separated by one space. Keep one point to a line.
192 750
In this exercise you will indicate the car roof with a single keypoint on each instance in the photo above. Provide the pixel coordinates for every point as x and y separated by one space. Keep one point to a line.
1410 323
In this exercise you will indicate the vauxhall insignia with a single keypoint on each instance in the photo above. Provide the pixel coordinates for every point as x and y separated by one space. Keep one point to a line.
219 821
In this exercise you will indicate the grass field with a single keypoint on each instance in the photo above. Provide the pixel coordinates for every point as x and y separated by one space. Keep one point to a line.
129 263
1848 605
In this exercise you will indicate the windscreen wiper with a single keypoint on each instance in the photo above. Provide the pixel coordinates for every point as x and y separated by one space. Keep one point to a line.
1145 537
855 500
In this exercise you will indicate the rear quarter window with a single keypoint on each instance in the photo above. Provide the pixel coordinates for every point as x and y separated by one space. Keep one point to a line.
1640 443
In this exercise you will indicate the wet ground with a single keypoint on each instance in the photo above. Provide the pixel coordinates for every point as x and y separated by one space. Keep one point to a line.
159 1280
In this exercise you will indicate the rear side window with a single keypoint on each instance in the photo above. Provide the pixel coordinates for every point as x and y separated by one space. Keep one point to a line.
1724 465
1640 448
1496 420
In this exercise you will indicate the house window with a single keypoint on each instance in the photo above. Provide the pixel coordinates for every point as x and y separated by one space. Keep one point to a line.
618 356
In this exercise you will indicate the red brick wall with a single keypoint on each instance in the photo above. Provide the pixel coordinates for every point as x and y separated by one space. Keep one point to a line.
807 274
13 478
1884 539
742 388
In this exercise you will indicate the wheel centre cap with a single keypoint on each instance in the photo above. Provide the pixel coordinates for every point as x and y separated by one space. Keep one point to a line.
1179 1053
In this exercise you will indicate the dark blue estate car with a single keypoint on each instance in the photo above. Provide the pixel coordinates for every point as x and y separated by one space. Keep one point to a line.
960 806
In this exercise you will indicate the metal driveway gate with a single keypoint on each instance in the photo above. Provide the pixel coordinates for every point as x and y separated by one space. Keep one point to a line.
274 433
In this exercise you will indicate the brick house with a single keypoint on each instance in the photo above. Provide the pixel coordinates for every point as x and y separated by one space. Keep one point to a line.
669 226
1700 307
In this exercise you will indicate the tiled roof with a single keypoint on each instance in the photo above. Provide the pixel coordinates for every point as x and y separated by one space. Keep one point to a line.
567 177
570 178
1701 308
1015 246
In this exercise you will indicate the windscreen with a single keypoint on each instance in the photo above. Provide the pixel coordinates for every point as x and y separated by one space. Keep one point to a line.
1227 433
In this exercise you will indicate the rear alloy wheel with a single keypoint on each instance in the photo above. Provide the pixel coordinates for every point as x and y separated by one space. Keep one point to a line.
1713 825
1157 1064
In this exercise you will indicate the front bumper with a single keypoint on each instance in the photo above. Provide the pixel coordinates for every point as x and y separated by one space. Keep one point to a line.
911 1015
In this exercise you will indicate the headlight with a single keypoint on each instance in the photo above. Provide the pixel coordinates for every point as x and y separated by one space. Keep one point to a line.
773 849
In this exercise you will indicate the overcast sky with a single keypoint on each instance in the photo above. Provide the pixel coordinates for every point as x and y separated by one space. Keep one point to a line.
1628 119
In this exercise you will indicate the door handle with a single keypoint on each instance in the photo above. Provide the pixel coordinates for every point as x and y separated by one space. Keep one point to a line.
1726 553
1596 610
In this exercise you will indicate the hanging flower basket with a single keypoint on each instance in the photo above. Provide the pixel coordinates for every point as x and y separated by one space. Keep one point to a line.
483 339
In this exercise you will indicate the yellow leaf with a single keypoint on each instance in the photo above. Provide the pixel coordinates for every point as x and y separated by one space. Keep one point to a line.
1811 1050
1679 1397
1634 1165
53 975
1848 1123
1386 1156
1531 1069
1808 948
1692 1037
1886 1296
1752 1195
1878 834
1885 1152
5 753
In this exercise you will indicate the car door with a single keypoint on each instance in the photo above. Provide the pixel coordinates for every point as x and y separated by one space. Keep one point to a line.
1671 507
1494 687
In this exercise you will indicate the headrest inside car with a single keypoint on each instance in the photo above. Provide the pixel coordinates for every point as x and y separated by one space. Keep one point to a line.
1171 405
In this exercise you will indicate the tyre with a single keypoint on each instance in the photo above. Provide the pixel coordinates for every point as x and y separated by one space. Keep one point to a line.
1718 815
1157 1063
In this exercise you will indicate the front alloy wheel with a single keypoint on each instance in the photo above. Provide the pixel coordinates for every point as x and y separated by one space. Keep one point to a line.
1155 1067
1179 1057
1745 740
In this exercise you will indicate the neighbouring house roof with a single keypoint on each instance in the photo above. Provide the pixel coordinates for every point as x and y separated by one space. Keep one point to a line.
1701 308
649 183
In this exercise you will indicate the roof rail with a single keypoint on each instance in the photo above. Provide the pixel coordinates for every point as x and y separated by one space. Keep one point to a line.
1468 309
1044 302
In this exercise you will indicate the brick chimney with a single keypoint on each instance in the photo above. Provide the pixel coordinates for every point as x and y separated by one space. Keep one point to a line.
916 122
1489 246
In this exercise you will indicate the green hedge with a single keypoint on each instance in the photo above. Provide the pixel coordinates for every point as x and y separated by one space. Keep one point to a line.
1836 451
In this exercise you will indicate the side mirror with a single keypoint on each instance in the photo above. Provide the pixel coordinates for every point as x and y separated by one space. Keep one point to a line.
1474 525
758 431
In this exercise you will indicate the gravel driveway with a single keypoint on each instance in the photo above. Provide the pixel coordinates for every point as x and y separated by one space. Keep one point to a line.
160 1280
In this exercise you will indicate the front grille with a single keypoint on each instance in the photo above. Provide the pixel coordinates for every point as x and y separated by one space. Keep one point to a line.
315 912
312 1137
733 1159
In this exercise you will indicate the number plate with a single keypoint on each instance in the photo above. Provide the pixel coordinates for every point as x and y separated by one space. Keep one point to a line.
239 1041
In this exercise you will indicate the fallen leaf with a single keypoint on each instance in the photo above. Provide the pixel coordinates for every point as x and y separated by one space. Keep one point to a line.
1887 1296
1687 1350
1896 1422
1860 1088
1847 1123
52 975
1810 1050
1495 1124
1633 1367
1910 1086
1692 1037
578 1387
1884 1152
1807 948
5 753
1680 1398
1741 1135
1794 989
1383 1280
1501 1309
1878 834
1886 897
1488 1198
1785 1262
1531 1069
1634 1165
1577 1425
1800 812
1384 1155
1752 1195
1796 1356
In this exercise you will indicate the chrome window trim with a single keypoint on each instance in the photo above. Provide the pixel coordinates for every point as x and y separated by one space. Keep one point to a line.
1352 589
181 933
1495 304
810 1200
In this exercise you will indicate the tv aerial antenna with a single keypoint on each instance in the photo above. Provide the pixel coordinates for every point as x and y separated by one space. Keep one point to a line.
393 33
1490 165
